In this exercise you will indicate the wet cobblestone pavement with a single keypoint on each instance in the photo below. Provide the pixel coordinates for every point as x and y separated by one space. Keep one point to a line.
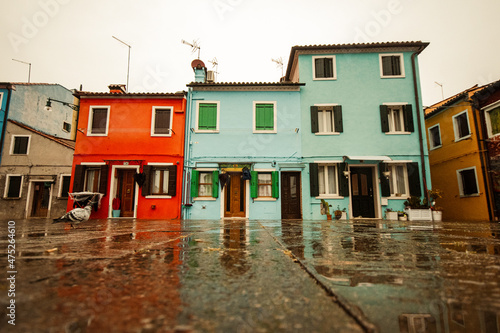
251 276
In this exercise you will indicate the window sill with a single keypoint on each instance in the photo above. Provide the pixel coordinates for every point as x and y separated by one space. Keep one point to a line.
329 197
90 134
264 199
326 133
398 133
463 138
324 78
463 196
161 135
392 77
265 132
401 197
7 198
152 196
204 199
434 148
207 131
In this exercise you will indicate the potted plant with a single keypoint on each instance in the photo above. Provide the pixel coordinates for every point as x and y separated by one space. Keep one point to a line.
339 212
115 204
402 216
325 209
391 214
417 210
437 212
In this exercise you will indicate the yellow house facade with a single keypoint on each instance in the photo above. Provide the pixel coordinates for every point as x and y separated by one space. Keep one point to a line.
458 158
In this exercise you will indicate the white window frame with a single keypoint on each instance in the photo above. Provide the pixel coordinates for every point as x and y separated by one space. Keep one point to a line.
13 139
204 198
401 62
390 118
461 185
64 129
431 144
153 120
7 184
1 99
335 195
91 116
61 177
487 110
275 123
264 198
456 129
159 196
393 181
196 130
321 132
334 67
87 169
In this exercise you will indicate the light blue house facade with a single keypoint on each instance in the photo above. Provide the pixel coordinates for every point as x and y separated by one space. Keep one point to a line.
243 150
361 127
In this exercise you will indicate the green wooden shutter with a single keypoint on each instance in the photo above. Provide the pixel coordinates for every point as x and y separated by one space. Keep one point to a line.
195 179
172 180
254 188
408 117
343 180
215 184
313 179
384 182
414 179
207 116
146 187
337 115
275 190
103 182
384 118
314 119
79 178
264 117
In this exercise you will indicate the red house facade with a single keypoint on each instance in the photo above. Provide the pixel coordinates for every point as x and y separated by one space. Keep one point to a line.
130 147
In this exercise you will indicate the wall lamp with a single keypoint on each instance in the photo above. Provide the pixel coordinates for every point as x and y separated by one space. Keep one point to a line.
48 106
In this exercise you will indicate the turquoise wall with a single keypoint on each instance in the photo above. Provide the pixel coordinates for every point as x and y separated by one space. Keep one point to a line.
236 143
4 94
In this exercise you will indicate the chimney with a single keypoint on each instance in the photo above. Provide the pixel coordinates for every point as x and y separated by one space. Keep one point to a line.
117 88
200 71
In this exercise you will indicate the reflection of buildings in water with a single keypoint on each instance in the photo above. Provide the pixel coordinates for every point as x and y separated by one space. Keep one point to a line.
234 239
292 236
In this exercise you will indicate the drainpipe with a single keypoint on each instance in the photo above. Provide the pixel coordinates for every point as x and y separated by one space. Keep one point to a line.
7 106
484 161
417 104
187 128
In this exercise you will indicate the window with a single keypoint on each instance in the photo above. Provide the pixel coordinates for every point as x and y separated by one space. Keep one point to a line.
65 181
13 186
396 118
326 119
493 120
434 136
92 179
461 126
98 121
467 182
20 144
205 184
391 65
324 68
327 180
264 184
161 180
161 121
207 119
159 183
398 180
265 117
66 127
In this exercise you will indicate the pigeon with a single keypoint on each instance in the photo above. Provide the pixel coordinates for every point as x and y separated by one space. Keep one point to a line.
76 215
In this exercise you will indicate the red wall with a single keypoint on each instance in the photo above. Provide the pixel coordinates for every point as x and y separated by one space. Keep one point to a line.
129 140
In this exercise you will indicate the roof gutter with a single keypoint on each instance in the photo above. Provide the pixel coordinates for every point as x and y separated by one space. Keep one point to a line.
419 119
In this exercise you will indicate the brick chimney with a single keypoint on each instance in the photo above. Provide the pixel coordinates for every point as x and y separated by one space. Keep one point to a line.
117 88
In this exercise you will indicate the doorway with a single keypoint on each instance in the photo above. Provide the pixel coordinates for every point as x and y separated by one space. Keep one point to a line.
234 196
363 203
41 199
126 191
290 195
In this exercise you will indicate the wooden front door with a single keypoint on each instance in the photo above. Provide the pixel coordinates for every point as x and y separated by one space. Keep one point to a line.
234 201
41 198
126 187
363 204
290 195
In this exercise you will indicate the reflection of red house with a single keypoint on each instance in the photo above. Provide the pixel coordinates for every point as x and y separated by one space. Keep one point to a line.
131 146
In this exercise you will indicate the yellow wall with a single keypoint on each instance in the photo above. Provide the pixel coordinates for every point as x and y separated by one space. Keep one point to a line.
453 156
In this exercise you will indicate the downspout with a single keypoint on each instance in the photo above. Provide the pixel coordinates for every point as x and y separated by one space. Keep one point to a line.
185 211
5 117
417 105
484 165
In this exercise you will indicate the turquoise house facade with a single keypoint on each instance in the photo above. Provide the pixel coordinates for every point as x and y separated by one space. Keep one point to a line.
361 127
243 149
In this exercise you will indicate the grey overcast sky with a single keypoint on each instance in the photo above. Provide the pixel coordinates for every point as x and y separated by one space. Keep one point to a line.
70 41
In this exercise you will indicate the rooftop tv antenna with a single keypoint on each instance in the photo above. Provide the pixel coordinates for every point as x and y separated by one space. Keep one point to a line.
279 63
27 63
215 64
441 85
194 46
